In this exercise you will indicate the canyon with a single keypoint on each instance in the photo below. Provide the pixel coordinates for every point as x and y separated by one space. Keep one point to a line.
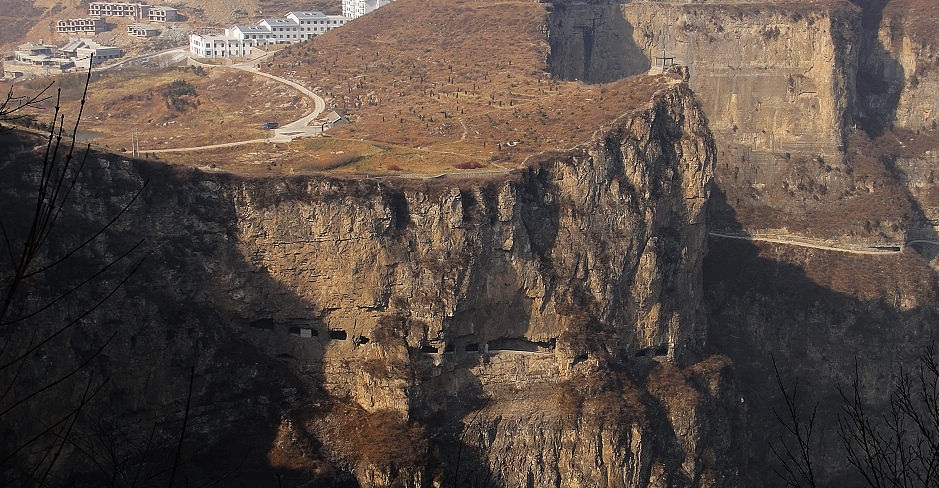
576 320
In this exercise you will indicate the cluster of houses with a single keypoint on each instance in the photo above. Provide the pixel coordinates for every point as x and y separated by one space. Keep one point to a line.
41 58
97 11
240 41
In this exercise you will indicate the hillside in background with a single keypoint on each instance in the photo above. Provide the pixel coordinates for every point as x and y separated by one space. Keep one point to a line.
452 81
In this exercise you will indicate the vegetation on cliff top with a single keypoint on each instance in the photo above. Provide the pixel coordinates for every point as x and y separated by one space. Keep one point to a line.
459 77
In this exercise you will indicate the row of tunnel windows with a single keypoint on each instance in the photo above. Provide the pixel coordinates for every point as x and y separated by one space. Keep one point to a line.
341 335
514 344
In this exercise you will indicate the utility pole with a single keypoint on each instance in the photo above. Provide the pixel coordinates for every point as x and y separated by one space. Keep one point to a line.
135 143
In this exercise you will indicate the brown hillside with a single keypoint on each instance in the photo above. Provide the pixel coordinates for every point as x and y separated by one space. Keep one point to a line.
464 76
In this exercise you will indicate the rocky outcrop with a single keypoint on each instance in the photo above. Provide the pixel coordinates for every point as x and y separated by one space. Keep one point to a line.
772 79
377 329
513 290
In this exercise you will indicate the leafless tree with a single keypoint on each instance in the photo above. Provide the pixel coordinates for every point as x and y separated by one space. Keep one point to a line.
13 106
892 446
900 447
32 326
793 449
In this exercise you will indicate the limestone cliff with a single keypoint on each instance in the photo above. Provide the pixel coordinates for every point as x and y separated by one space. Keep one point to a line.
823 118
543 326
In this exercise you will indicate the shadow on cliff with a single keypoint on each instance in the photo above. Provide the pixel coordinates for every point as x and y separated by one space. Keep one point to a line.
880 76
819 314
175 315
593 44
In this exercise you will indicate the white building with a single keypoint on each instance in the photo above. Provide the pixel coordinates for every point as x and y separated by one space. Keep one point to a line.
215 46
354 9
312 24
282 30
294 27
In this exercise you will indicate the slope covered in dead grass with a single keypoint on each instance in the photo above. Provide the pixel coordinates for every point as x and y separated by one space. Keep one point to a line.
458 76
227 106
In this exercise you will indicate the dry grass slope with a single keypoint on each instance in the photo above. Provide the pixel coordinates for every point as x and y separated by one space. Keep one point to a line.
460 77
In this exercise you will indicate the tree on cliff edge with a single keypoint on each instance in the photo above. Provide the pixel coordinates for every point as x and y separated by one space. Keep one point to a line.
43 390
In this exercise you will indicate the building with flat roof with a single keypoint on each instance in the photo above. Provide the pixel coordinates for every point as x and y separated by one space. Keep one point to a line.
294 27
90 25
219 46
162 14
118 9
354 9
312 24
143 30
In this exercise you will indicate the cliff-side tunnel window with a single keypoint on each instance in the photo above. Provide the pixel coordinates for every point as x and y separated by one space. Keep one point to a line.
361 340
429 349
662 350
305 332
521 344
338 335
265 323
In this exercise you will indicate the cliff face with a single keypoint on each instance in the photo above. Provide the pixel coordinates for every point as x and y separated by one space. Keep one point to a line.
776 81
823 118
440 314
479 303
759 69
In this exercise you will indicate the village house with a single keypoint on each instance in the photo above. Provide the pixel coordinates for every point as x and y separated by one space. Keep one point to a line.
333 119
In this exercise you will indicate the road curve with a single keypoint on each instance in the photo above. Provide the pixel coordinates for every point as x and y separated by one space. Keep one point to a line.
285 133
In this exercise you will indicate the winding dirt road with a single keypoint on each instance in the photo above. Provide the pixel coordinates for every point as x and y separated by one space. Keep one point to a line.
284 133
